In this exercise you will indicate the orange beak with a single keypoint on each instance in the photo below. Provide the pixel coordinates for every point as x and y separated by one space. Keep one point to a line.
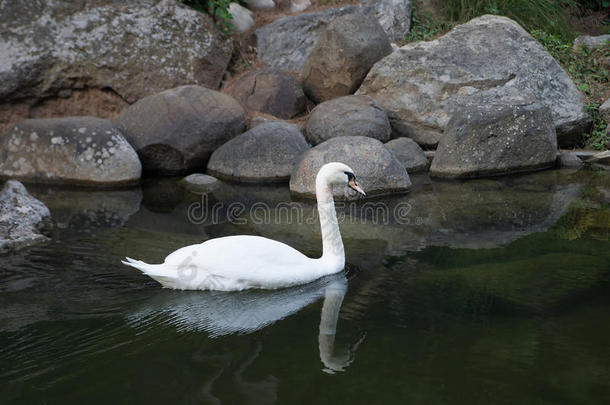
352 184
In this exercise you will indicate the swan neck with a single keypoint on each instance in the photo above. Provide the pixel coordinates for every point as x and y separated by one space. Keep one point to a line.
332 244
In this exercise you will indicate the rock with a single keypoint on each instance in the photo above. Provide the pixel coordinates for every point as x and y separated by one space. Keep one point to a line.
71 150
130 49
260 5
602 158
242 19
266 153
286 42
348 116
343 55
377 170
409 154
200 183
394 16
269 91
297 6
591 42
23 218
604 111
177 130
496 139
568 160
423 83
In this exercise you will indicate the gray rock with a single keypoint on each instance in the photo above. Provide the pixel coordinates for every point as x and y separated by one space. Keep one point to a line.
409 154
23 218
589 41
200 183
496 139
604 111
422 84
569 160
343 55
377 170
266 153
177 130
132 48
286 42
348 116
269 91
394 16
601 158
71 150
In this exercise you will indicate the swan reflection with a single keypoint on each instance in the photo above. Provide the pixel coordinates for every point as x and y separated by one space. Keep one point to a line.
223 313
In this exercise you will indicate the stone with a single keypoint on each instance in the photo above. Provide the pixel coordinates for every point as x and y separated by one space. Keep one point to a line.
591 42
604 111
422 84
394 16
265 154
23 218
128 49
200 183
286 42
601 158
377 171
343 55
568 160
260 5
242 19
71 150
348 116
177 130
269 91
495 139
409 154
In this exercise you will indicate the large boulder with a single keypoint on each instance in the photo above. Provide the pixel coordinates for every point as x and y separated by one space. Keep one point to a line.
287 41
422 84
408 152
23 218
71 150
270 91
348 116
590 42
494 139
377 170
177 130
266 153
342 57
52 50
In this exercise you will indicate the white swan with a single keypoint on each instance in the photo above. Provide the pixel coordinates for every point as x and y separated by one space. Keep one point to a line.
240 262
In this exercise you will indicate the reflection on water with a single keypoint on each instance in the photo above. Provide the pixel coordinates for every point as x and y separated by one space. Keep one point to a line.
492 291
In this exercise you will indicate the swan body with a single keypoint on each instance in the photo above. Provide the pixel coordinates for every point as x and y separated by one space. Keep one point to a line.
240 262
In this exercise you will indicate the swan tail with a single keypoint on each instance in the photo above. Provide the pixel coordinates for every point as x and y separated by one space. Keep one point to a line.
154 271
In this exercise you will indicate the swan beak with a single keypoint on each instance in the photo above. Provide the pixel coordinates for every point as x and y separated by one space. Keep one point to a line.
352 184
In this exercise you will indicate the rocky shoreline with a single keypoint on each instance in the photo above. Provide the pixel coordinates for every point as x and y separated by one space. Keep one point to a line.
331 85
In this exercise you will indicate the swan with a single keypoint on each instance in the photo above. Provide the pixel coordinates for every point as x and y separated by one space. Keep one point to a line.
235 263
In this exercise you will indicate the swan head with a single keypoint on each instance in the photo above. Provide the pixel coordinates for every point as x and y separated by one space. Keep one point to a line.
339 173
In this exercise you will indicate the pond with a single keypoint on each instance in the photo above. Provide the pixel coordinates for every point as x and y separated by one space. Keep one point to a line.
486 291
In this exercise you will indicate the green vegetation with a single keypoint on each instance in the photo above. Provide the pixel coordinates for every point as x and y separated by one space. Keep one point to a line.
217 9
424 27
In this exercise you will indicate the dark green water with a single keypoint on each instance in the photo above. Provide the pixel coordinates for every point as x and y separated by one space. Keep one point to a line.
491 291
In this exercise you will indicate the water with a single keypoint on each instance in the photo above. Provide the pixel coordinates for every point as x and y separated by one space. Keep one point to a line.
478 292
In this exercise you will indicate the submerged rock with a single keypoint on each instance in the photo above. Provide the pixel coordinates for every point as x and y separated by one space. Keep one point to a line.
71 150
496 139
409 154
23 218
200 183
348 116
568 160
177 130
343 55
266 153
377 170
422 84
270 91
